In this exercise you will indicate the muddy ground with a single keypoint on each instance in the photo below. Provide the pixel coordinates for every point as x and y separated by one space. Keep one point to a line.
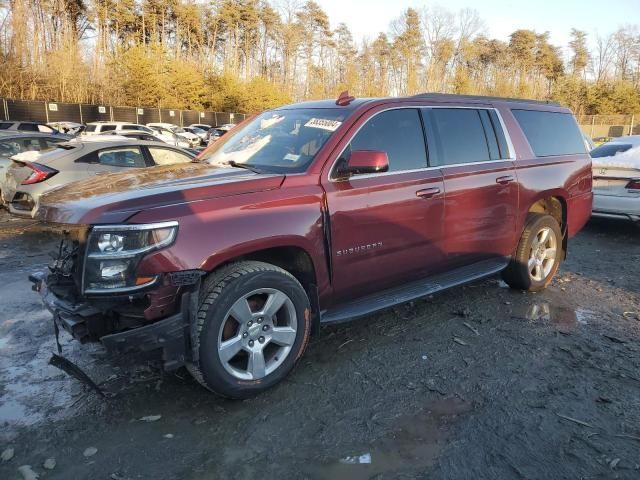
478 382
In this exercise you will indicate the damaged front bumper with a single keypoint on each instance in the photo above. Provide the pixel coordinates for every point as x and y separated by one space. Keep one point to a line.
171 335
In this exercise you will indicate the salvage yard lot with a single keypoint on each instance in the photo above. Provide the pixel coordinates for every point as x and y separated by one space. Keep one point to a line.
478 382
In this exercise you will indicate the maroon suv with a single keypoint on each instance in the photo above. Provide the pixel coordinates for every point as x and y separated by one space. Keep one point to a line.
310 214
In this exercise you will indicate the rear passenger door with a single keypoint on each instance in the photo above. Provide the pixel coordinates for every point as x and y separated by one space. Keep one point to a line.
480 182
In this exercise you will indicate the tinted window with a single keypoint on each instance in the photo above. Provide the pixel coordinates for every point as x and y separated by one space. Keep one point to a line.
460 135
609 150
399 134
550 133
165 156
108 128
90 128
49 143
122 157
28 127
5 125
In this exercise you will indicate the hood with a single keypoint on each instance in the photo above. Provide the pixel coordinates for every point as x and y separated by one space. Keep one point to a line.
114 197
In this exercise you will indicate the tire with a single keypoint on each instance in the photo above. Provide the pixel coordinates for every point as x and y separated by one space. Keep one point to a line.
524 272
278 334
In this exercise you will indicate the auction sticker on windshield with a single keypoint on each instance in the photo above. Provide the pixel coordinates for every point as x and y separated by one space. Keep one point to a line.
324 124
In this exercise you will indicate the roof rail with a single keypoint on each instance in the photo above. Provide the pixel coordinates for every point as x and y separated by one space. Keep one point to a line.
453 96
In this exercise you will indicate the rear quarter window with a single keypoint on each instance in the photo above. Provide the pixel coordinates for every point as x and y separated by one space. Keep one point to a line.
550 133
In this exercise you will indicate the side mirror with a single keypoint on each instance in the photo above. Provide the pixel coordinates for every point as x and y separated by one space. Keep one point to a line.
364 161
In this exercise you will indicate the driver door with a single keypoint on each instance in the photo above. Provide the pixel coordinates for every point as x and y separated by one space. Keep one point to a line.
386 228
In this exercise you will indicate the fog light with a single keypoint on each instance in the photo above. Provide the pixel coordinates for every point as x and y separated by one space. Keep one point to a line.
109 270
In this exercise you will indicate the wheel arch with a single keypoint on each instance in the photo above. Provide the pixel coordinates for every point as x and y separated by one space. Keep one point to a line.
553 204
294 257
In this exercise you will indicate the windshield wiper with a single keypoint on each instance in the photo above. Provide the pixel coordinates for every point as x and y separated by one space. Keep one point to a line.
235 164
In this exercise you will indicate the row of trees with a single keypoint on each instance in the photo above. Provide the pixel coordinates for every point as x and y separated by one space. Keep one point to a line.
247 55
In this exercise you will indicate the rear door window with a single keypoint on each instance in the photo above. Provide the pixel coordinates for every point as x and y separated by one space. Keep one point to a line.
5 125
90 128
460 136
550 133
166 156
108 128
122 157
399 134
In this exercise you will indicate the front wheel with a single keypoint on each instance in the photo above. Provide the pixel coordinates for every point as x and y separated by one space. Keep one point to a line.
537 257
252 327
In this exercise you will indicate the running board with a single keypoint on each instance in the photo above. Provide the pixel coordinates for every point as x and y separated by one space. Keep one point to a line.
412 291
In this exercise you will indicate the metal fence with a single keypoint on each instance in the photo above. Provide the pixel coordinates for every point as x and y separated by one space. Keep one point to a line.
49 112
597 126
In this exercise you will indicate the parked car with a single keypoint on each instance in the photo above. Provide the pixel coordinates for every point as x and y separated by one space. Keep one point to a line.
312 214
32 173
27 127
132 135
201 126
192 139
616 178
13 142
202 134
217 132
68 128
588 142
94 128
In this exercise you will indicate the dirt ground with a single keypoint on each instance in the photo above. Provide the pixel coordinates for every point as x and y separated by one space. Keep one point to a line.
478 382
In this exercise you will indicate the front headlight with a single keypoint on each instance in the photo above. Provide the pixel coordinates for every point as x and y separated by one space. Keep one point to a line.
114 252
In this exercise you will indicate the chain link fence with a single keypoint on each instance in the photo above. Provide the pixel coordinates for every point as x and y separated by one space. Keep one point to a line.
609 126
49 112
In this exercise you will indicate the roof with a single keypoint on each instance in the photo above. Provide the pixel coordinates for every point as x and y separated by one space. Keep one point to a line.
434 97
22 134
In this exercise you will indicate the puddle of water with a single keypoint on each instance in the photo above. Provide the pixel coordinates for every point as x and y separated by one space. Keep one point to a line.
415 443
558 315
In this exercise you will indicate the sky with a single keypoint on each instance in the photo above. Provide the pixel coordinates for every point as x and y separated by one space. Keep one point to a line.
366 18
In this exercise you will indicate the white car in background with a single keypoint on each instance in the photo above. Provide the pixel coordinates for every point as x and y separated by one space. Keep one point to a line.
616 178
192 139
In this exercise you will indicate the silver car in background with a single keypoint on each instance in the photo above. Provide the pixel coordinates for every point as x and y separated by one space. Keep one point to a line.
33 173
13 142
616 178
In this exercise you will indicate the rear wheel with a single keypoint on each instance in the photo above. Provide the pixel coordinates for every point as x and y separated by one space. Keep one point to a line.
537 257
252 327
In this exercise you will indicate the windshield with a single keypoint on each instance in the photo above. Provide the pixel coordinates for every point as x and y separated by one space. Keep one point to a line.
280 141
609 150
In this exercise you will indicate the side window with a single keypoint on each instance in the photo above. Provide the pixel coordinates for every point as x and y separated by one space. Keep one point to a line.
31 144
49 143
108 128
550 133
90 128
165 156
399 134
28 127
122 157
460 135
5 125
8 148
45 129
131 127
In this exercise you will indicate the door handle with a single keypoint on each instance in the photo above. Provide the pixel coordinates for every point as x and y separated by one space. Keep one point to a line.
504 180
428 192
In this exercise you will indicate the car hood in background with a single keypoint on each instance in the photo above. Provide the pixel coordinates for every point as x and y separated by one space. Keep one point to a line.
114 197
